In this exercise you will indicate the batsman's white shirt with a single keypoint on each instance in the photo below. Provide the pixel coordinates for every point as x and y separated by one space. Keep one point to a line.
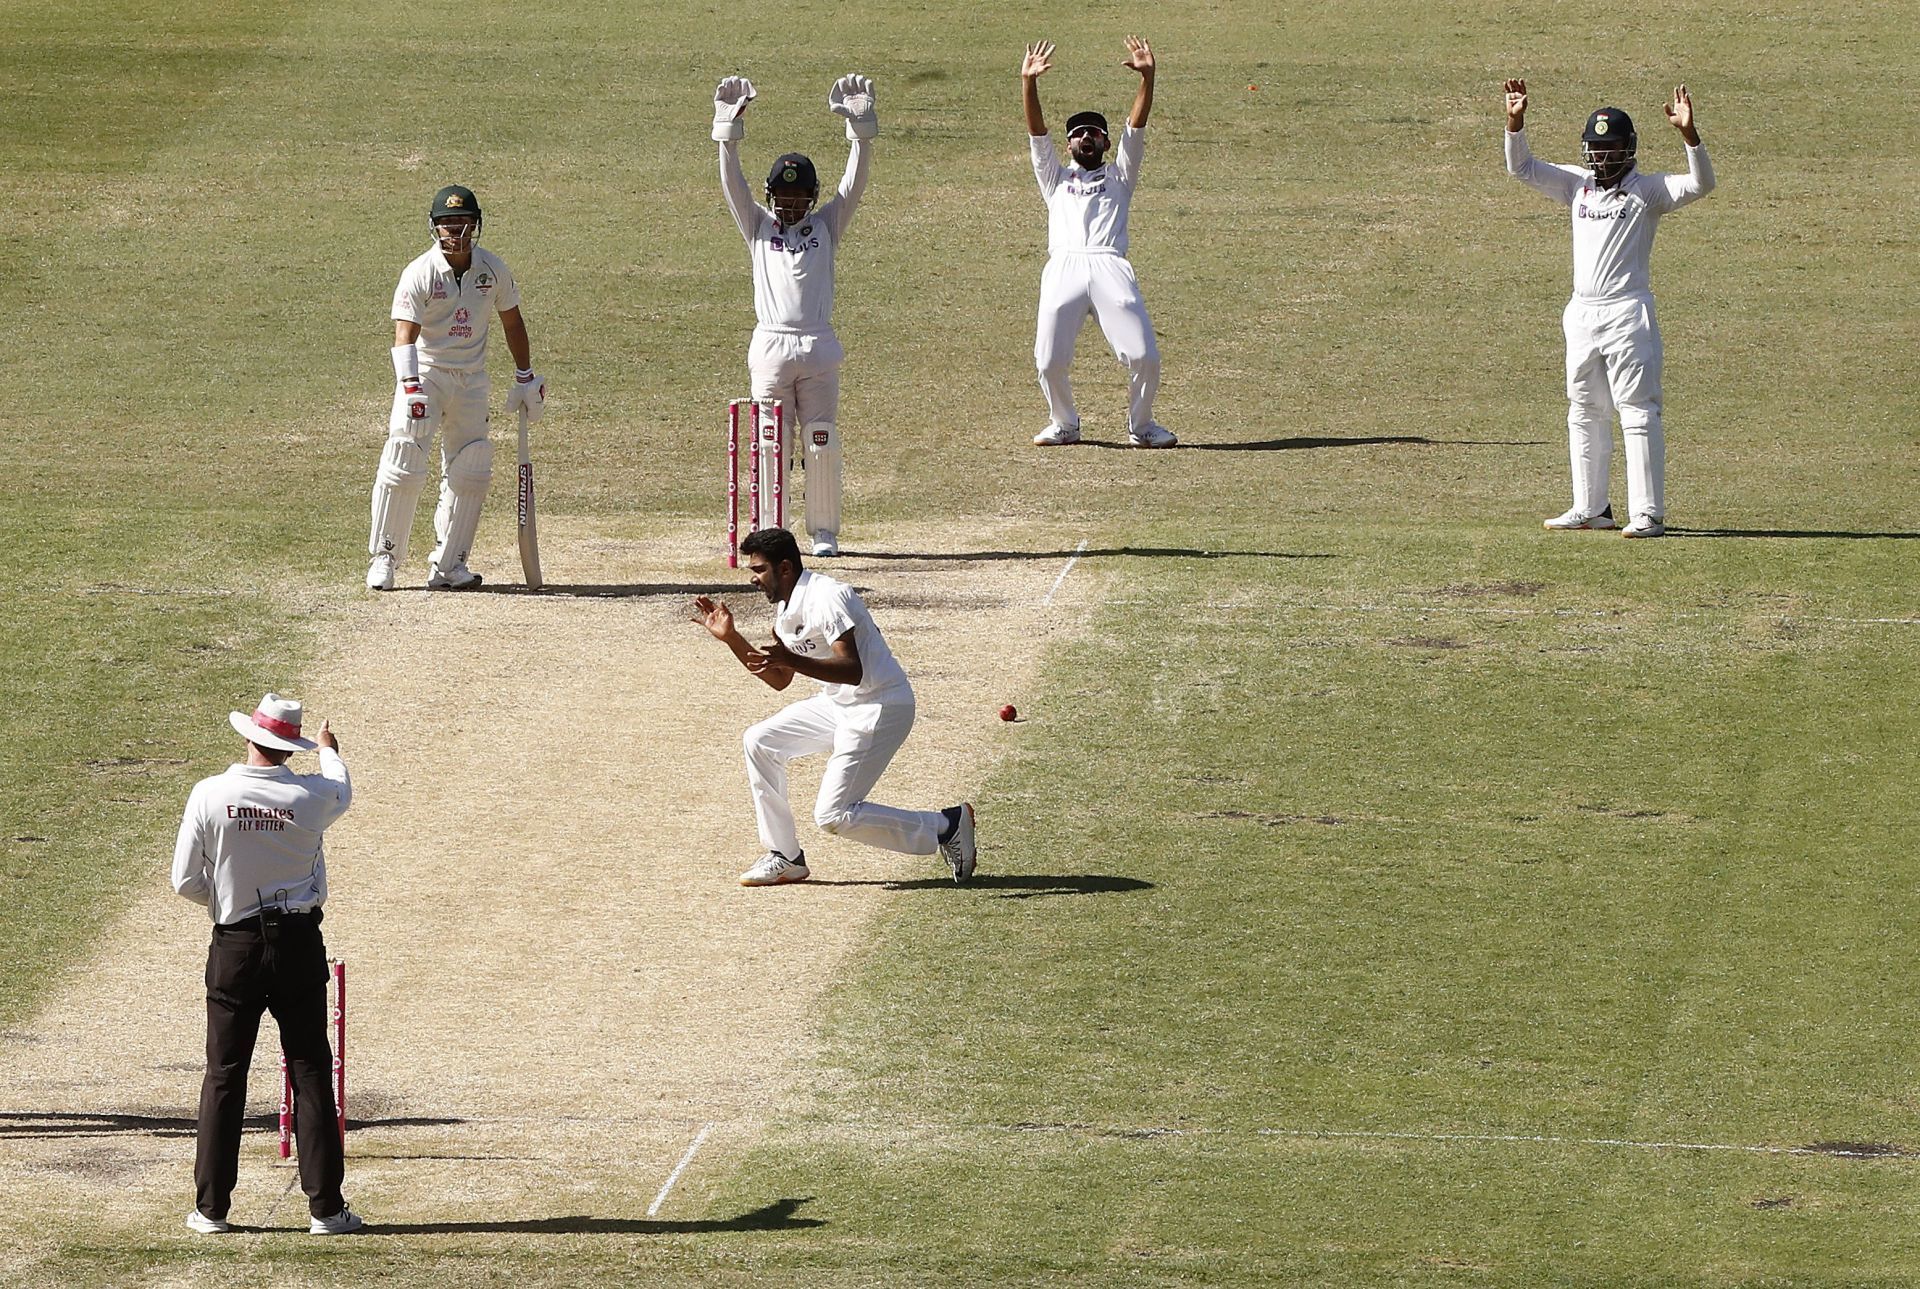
793 264
1087 209
453 310
819 612
1612 227
254 832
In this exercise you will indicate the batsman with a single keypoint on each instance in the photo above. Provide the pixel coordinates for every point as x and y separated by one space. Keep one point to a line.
441 311
795 356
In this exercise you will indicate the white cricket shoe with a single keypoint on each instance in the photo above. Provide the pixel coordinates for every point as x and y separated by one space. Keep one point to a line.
1155 435
775 869
1644 526
457 578
380 573
1574 519
1057 436
345 1222
207 1225
960 850
826 543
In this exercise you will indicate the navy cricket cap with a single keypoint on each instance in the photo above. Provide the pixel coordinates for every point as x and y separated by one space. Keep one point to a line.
1608 125
1079 119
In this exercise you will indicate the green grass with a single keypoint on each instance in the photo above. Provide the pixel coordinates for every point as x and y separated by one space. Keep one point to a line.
1438 825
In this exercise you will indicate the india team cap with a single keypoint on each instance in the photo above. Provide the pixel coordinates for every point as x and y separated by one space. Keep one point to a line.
455 200
1080 120
275 724
1608 125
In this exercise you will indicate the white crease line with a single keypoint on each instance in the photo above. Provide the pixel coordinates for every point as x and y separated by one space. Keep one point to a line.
678 1168
1078 551
1522 1138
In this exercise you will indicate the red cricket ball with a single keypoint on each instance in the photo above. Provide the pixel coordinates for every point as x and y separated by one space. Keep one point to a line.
1008 712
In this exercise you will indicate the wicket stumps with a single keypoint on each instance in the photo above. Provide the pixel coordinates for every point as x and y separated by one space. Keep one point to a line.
337 1019
766 460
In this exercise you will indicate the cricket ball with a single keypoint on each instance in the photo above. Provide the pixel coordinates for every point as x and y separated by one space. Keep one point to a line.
1008 712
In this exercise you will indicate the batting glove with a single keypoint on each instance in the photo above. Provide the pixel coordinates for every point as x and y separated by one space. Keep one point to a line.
415 396
852 97
529 391
729 101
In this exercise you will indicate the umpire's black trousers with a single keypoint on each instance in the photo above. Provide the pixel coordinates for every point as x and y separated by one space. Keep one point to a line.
249 972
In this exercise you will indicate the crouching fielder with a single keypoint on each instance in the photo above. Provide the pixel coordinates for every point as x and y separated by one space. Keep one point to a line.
860 716
440 314
1614 352
795 355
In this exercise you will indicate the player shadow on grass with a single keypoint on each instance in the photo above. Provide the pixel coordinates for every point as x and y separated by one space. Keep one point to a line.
777 1216
1676 531
1305 442
1008 886
1142 552
53 1125
613 591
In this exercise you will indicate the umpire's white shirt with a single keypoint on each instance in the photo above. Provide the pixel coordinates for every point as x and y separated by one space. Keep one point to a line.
793 263
253 833
1612 227
822 610
453 310
1087 209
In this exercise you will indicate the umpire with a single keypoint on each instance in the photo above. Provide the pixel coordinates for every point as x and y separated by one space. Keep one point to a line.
250 851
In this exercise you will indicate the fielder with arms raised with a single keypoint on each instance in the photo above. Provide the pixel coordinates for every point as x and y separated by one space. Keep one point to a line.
440 314
1614 352
861 715
795 355
1087 266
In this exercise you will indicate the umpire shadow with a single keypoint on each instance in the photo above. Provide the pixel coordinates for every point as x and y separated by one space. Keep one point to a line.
37 1125
1008 886
1675 531
777 1216
1309 442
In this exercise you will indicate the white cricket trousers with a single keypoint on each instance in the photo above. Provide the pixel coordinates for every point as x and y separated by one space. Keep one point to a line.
1072 285
802 370
1613 363
862 739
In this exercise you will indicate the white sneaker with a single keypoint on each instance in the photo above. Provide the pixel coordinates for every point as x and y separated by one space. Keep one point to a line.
775 869
826 543
457 578
1057 436
207 1225
1574 519
380 573
345 1222
1155 435
960 850
1644 526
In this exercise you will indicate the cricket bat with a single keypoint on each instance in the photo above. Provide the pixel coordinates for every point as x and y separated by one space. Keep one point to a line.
529 528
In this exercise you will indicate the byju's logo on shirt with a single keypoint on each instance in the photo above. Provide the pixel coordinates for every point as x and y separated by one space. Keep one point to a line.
804 240
1584 211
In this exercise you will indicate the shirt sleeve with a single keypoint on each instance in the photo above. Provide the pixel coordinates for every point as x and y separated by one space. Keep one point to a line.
1126 158
1046 163
191 879
853 184
1561 183
1675 191
506 293
410 297
333 769
747 214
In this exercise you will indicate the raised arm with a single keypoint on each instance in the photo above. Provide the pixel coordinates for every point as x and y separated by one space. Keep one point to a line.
1698 181
1140 59
730 102
1557 182
852 97
1035 65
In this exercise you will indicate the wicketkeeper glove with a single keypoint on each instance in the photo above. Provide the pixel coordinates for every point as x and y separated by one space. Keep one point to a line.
729 101
529 391
852 97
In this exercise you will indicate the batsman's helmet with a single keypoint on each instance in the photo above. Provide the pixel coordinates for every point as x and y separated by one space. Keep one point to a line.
454 200
1608 144
793 170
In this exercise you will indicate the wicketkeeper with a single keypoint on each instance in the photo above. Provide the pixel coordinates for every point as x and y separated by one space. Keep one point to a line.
441 310
795 355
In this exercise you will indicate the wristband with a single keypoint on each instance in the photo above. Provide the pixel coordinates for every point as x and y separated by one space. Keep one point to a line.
406 362
523 374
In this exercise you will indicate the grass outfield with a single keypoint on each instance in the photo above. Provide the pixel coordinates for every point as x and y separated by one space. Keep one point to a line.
1361 807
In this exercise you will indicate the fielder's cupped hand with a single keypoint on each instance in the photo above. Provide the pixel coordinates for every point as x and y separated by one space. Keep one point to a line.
730 99
714 615
852 97
1039 60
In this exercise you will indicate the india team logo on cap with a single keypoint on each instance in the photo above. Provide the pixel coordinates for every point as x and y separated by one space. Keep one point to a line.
1600 125
790 175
